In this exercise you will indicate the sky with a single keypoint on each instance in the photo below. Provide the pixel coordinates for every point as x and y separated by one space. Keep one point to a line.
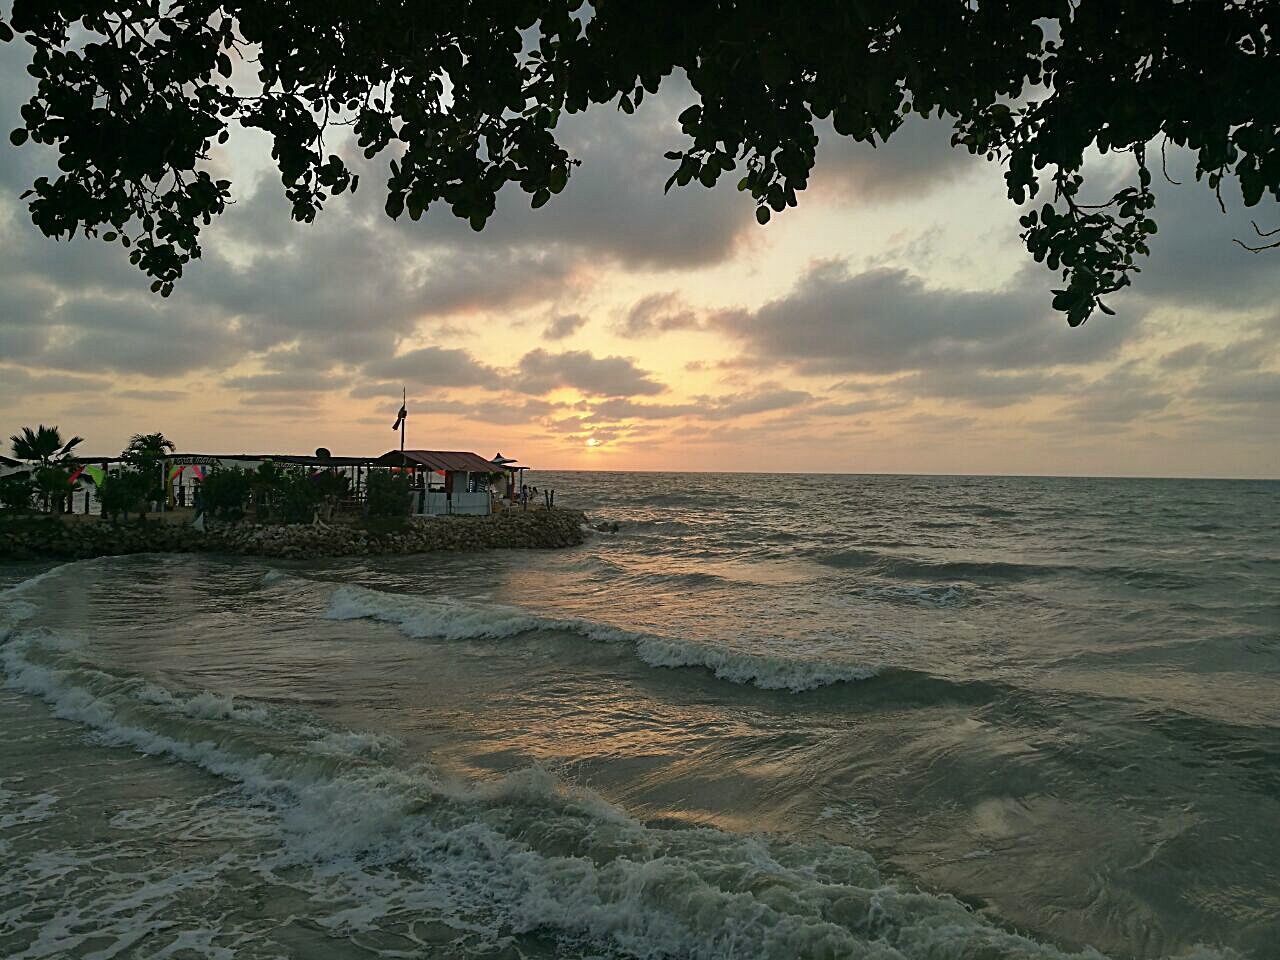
891 323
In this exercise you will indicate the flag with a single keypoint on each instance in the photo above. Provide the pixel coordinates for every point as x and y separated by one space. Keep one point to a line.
96 474
400 417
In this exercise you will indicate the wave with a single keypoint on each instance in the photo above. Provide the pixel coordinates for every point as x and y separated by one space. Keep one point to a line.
995 572
977 571
927 596
526 856
457 620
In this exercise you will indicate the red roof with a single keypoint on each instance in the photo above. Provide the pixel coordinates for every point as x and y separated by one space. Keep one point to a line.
450 460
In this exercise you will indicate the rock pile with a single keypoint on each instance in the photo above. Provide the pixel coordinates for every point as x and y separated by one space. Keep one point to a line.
534 529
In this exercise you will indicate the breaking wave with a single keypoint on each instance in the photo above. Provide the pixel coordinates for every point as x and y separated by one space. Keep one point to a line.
457 620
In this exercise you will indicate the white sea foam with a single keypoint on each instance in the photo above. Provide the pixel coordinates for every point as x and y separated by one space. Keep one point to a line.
18 808
457 620
205 706
350 743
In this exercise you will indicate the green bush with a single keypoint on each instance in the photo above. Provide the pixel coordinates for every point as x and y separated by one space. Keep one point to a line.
388 494
16 493
124 492
225 493
294 497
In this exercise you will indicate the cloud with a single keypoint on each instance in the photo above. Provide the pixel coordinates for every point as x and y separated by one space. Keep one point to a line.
1120 396
917 160
566 324
727 407
1194 261
760 402
291 382
988 389
433 367
541 372
887 321
17 382
657 313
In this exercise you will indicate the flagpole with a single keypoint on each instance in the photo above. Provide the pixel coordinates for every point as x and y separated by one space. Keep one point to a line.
404 399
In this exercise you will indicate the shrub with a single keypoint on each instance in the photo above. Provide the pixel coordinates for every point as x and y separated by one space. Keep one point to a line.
224 493
16 493
294 496
388 494
123 492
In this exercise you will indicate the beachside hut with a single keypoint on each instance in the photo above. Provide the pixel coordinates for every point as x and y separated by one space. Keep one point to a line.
449 481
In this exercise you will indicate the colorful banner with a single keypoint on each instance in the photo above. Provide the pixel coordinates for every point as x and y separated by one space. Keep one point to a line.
96 474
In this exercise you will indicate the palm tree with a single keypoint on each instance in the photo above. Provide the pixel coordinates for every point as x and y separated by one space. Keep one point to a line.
152 446
42 446
52 459
147 451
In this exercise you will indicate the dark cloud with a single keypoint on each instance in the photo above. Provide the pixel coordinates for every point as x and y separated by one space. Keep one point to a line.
762 402
705 408
988 389
138 334
428 367
294 382
563 326
917 159
657 313
16 381
541 372
615 205
1120 396
886 321
1194 261
1242 375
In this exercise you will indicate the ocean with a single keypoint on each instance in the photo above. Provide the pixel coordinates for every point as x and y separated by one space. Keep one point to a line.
771 716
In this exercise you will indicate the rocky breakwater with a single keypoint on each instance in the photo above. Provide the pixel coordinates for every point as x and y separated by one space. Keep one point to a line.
51 538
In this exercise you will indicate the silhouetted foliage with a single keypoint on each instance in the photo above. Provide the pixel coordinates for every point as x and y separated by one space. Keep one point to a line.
16 493
295 497
388 494
43 446
125 492
466 97
145 453
52 459
225 493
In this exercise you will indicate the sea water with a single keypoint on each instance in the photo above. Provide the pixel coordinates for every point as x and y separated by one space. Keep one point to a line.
769 716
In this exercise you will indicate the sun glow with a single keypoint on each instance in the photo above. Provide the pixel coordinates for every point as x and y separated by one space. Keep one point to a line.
592 442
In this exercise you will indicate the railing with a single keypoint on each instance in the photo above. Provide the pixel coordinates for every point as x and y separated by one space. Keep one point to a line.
440 504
